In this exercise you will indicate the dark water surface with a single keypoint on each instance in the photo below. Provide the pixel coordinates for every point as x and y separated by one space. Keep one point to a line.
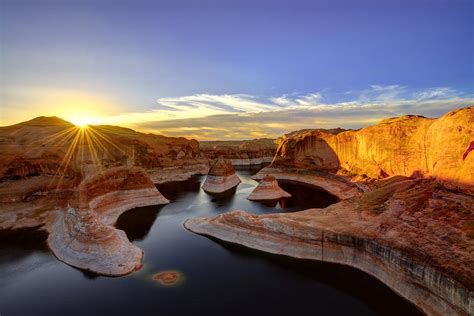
216 278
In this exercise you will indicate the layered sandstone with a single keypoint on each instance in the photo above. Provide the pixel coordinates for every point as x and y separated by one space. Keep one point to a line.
221 177
407 208
77 181
44 160
268 189
413 235
117 190
40 146
408 145
80 239
83 235
337 185
241 152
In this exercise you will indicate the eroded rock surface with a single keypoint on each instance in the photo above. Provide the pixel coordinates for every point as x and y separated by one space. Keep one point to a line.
44 160
243 152
221 177
339 186
414 235
268 189
117 190
77 181
408 145
83 235
407 209
80 239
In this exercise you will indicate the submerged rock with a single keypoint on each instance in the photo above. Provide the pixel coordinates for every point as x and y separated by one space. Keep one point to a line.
221 177
168 278
268 189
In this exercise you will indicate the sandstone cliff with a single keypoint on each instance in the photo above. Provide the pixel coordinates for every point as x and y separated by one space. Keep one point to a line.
244 152
408 145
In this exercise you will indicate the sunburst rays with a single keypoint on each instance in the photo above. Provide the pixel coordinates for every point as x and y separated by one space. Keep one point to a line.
87 146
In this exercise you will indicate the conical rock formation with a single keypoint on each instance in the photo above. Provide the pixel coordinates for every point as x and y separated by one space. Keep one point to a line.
221 177
268 189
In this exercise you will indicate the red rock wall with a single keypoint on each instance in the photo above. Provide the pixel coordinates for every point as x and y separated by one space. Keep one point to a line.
407 145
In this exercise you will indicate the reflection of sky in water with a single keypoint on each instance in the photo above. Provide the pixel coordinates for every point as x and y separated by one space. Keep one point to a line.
219 278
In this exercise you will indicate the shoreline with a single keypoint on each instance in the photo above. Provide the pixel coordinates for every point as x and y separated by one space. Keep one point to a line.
411 279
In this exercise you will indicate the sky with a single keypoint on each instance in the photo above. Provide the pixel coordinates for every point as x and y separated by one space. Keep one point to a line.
234 69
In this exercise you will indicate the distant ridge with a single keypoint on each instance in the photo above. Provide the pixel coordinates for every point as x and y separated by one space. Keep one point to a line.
45 121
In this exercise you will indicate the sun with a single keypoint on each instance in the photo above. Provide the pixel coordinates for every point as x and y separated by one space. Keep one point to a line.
82 122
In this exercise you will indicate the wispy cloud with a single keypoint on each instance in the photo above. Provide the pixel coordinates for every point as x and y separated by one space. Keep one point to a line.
437 93
244 116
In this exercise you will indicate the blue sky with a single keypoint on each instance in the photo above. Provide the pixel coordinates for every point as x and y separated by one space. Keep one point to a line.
139 63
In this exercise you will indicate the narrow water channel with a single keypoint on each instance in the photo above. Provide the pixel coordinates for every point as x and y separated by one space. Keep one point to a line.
199 276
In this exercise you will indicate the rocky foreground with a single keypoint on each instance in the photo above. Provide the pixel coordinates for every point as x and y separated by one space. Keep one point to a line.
406 214
84 237
75 182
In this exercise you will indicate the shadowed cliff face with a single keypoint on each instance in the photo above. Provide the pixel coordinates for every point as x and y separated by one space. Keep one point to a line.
408 145
308 151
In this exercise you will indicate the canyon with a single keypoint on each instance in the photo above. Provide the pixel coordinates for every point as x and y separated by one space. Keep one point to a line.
75 182
406 212
404 189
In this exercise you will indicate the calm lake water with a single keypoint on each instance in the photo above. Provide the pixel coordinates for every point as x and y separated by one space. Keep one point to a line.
215 278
